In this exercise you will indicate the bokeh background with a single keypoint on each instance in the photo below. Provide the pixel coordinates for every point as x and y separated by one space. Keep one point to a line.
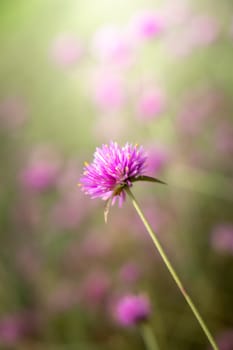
75 74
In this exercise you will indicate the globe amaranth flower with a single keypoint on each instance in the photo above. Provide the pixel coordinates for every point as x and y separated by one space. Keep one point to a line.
113 169
131 310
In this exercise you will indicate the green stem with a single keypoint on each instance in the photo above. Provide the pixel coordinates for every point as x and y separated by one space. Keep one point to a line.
148 337
171 270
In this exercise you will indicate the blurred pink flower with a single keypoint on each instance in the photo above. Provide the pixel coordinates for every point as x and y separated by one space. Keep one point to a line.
10 330
175 13
95 288
130 310
108 90
26 212
225 340
222 238
201 30
41 170
198 106
67 179
68 212
64 297
158 158
204 30
112 44
224 138
130 272
13 112
151 103
94 246
29 262
14 327
66 50
146 24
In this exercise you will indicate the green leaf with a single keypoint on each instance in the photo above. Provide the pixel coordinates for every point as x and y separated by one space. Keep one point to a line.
148 178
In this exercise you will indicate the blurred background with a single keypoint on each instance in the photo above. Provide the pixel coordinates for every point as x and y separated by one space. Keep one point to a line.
75 74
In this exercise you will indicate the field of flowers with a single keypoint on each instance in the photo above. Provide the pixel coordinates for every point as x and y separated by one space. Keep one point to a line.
145 87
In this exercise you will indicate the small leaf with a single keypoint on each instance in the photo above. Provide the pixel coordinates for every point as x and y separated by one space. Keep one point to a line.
148 178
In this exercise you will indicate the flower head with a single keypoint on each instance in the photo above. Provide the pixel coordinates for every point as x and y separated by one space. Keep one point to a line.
113 169
132 309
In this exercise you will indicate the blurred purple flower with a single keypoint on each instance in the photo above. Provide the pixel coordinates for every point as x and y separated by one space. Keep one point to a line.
204 30
146 25
130 310
222 238
67 50
13 112
225 340
26 212
10 330
201 30
113 168
64 297
14 327
158 158
39 176
130 272
175 13
41 171
224 138
196 109
67 212
108 91
150 103
68 176
112 44
94 246
94 288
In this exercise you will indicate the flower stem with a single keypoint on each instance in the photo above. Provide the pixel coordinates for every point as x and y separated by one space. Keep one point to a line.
148 337
171 270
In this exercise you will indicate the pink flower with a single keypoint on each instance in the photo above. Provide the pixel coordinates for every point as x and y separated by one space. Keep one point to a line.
41 171
13 112
132 309
108 91
197 107
150 104
112 44
14 327
94 288
130 272
175 13
224 138
146 25
158 157
225 340
222 238
204 30
95 246
113 166
67 50
201 30
64 297
68 212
